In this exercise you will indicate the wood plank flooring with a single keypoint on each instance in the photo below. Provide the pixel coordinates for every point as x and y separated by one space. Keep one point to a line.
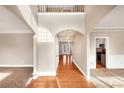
44 82
68 76
99 65
15 77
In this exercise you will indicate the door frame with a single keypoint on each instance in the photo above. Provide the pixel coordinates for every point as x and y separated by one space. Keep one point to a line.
107 50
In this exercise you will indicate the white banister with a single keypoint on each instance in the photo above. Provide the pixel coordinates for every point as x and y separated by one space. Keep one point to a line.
61 8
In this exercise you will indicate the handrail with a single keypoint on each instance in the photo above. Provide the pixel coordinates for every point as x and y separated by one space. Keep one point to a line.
60 8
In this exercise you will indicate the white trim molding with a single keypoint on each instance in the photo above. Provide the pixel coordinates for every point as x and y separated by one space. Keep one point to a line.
37 74
108 30
46 73
79 68
28 16
107 50
62 13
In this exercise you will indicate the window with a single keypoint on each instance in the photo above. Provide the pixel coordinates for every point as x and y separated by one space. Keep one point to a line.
45 36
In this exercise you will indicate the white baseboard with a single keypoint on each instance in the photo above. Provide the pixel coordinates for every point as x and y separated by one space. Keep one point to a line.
35 75
46 73
16 65
79 68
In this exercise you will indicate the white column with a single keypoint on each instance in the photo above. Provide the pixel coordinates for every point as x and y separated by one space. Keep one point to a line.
35 57
57 51
88 53
28 16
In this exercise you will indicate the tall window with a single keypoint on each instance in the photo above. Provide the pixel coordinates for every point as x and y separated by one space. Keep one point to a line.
45 36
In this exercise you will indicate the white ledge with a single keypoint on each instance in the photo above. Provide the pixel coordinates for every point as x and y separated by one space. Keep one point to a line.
61 13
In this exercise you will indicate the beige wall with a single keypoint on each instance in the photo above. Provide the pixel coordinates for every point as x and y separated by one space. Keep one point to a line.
10 22
116 40
78 53
116 48
16 49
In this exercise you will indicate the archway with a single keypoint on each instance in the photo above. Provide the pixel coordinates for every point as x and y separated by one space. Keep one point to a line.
70 49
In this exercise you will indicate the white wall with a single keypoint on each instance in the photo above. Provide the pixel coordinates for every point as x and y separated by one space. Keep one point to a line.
116 48
57 22
78 53
16 50
46 59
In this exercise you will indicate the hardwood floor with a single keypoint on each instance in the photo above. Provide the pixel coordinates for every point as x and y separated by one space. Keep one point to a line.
68 76
99 65
15 77
44 82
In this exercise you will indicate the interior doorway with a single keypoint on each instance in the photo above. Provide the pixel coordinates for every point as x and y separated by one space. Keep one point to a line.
65 51
69 47
101 52
65 48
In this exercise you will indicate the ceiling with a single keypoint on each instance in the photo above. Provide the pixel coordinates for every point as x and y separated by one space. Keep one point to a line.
66 35
11 20
100 16
94 13
113 20
67 32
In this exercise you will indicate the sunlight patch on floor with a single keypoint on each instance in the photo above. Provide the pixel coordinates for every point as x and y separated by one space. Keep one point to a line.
4 75
28 82
64 59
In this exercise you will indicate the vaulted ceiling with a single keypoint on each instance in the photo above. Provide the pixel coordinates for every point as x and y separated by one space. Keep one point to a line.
94 13
97 17
113 20
60 22
66 35
11 21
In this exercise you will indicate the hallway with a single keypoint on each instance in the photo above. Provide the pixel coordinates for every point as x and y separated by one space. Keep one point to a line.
68 76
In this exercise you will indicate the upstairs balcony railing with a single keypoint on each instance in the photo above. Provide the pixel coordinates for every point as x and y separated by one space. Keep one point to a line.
60 8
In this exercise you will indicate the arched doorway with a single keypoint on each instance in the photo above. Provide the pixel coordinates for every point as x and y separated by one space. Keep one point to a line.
71 57
69 48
